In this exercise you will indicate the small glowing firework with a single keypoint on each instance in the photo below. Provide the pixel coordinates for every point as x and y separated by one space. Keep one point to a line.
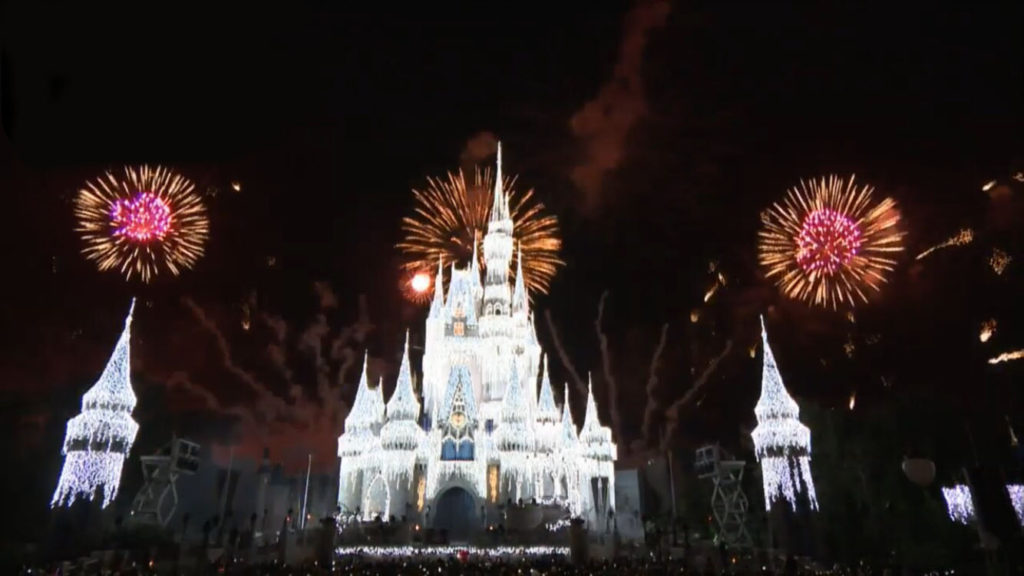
851 317
1007 356
853 400
451 216
988 328
149 221
963 238
719 282
1019 176
988 185
694 316
828 242
999 261
236 185
849 347
416 287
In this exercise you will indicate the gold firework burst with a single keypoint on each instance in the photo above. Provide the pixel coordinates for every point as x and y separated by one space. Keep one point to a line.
828 243
149 221
450 218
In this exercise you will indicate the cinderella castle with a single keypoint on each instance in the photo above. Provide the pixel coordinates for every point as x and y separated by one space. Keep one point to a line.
480 436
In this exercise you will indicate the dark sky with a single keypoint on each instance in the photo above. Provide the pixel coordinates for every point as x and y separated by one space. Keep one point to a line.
689 121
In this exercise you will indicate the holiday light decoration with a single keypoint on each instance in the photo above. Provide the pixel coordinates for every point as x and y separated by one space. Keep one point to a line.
960 503
480 425
781 443
149 221
97 441
452 213
999 261
828 242
962 238
451 551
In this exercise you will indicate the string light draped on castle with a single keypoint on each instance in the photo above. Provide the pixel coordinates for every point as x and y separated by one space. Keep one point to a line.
781 443
98 440
479 426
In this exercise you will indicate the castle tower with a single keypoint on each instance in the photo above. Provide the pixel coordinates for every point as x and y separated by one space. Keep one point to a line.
359 445
98 440
598 462
782 444
498 245
497 326
401 435
434 353
515 440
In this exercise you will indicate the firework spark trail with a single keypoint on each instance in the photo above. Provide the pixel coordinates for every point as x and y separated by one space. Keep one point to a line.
672 414
181 381
606 365
988 328
651 407
451 217
581 386
269 405
1007 356
999 261
963 238
149 221
828 242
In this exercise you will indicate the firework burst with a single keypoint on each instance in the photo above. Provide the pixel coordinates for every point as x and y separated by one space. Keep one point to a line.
450 218
828 243
149 221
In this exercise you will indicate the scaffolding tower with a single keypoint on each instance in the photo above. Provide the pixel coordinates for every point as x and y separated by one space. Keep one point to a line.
157 501
728 502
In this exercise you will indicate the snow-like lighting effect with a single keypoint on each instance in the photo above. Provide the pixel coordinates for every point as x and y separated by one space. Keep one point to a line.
98 440
781 443
960 504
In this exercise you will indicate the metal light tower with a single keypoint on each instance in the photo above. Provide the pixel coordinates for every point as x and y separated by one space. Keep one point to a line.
728 502
157 501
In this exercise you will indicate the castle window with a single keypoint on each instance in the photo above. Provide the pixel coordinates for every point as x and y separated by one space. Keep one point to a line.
489 426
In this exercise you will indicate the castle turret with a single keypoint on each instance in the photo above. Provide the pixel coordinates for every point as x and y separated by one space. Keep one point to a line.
598 454
520 302
516 441
498 245
98 440
401 436
547 416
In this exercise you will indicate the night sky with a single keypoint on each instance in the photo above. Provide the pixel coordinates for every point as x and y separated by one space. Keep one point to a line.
655 132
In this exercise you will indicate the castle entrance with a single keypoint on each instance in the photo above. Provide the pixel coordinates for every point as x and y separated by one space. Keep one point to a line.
455 511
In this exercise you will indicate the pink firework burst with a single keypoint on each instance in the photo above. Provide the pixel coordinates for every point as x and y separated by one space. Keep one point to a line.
144 218
828 240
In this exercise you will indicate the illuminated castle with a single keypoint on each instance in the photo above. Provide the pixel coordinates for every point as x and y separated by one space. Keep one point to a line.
481 435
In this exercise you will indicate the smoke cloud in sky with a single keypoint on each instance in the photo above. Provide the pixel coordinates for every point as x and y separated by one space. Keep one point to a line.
480 147
603 124
283 412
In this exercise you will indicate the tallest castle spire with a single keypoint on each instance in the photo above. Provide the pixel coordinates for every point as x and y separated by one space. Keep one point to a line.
98 440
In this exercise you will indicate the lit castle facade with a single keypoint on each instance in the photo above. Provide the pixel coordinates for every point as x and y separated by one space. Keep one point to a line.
480 432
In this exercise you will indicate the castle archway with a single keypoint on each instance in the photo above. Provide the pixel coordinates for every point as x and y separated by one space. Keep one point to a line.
378 499
455 510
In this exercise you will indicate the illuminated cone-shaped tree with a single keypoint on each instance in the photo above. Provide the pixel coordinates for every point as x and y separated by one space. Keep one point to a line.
781 443
98 440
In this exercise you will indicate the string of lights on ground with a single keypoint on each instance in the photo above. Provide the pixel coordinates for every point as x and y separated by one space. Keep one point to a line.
449 551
